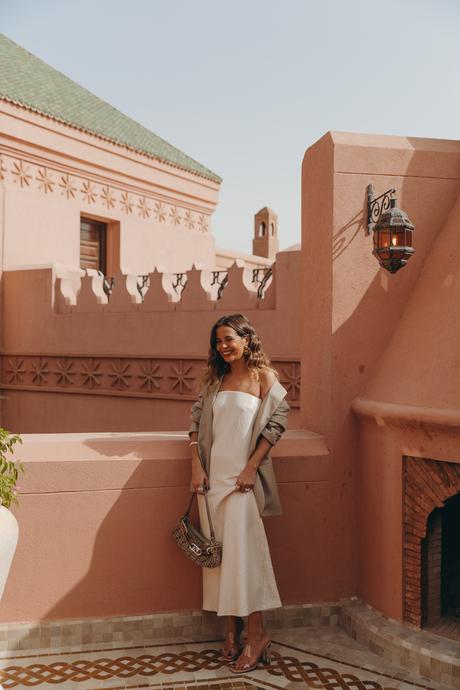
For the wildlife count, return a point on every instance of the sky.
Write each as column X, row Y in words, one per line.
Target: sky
column 246, row 86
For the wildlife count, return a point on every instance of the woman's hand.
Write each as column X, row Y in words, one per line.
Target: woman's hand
column 199, row 477
column 246, row 479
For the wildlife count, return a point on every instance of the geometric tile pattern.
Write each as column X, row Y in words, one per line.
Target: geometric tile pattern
column 105, row 668
column 173, row 378
column 311, row 674
column 315, row 676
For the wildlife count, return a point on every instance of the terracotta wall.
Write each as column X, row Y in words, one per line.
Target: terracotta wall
column 353, row 308
column 411, row 404
column 95, row 518
column 124, row 365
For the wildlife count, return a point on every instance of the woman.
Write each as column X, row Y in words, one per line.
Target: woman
column 240, row 414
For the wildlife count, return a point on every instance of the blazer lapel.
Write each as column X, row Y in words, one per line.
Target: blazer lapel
column 269, row 404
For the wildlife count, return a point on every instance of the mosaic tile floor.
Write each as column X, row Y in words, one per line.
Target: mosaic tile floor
column 315, row 657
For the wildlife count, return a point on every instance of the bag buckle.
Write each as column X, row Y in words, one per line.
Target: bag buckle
column 196, row 549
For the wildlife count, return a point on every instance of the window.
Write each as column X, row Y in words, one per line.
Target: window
column 93, row 245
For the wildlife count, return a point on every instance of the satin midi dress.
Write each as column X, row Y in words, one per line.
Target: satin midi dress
column 245, row 581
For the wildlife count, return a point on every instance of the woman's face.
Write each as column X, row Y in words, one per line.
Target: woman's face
column 229, row 344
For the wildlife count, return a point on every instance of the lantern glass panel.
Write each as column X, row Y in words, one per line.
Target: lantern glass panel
column 382, row 238
column 407, row 237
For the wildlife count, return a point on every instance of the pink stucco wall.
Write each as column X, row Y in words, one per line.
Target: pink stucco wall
column 413, row 411
column 368, row 341
column 95, row 518
column 52, row 174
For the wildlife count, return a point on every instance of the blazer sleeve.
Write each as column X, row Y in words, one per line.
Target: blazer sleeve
column 276, row 425
column 195, row 415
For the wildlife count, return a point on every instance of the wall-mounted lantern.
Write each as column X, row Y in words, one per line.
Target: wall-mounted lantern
column 392, row 230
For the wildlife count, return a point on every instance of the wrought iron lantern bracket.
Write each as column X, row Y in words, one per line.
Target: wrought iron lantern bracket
column 376, row 206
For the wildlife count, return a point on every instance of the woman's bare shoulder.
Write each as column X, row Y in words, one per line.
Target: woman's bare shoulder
column 267, row 378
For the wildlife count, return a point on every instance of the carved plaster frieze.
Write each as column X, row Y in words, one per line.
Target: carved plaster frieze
column 21, row 174
column 144, row 377
column 27, row 174
column 68, row 186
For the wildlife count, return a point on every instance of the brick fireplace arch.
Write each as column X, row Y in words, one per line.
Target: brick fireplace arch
column 427, row 484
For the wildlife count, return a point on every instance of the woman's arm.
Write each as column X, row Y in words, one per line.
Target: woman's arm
column 199, row 477
column 270, row 435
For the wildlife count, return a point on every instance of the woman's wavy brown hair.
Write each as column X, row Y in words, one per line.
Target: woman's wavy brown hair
column 255, row 357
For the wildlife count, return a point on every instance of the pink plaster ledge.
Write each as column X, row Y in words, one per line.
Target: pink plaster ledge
column 146, row 445
column 117, row 461
column 397, row 415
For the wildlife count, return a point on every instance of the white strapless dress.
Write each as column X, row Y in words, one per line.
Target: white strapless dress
column 245, row 581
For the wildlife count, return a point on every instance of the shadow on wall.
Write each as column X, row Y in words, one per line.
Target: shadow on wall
column 135, row 566
column 344, row 237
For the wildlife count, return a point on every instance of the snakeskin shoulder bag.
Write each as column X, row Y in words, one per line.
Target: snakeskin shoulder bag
column 201, row 550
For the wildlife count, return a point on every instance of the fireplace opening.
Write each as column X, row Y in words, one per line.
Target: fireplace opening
column 440, row 561
column 431, row 545
column 450, row 562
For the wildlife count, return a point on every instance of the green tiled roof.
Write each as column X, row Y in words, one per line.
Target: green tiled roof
column 30, row 82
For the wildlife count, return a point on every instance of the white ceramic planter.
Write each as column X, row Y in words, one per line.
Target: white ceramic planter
column 9, row 533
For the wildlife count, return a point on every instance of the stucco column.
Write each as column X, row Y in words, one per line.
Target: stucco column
column 316, row 287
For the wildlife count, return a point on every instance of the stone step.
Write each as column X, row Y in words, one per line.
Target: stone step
column 433, row 657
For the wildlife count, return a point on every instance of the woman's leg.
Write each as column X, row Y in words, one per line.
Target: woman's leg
column 257, row 640
column 231, row 646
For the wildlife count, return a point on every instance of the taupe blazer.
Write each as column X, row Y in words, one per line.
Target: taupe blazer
column 270, row 422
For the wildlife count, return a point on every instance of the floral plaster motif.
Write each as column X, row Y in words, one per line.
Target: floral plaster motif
column 64, row 373
column 126, row 203
column 150, row 377
column 143, row 207
column 40, row 371
column 108, row 197
column 91, row 374
column 175, row 215
column 120, row 377
column 45, row 181
column 159, row 211
column 181, row 377
column 202, row 223
column 15, row 371
column 69, row 184
column 291, row 380
column 88, row 191
column 21, row 174
column 189, row 219
column 68, row 187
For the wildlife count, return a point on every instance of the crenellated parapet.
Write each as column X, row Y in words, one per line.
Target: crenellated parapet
column 236, row 289
column 81, row 351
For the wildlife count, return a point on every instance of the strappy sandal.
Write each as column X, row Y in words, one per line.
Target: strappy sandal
column 234, row 638
column 263, row 659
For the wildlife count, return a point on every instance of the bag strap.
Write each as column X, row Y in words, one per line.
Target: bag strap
column 208, row 512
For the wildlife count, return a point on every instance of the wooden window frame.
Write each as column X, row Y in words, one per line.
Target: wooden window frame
column 109, row 259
